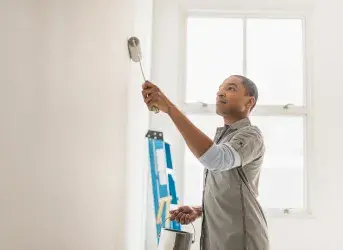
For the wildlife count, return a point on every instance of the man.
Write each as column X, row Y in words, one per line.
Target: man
column 232, row 216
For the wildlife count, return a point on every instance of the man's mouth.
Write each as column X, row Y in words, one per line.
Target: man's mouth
column 221, row 101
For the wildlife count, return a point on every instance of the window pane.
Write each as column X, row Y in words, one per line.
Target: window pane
column 214, row 52
column 275, row 60
column 284, row 140
column 281, row 183
column 282, row 178
column 282, row 188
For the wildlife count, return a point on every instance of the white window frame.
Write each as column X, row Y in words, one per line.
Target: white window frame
column 288, row 109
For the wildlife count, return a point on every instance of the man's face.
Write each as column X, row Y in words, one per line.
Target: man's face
column 232, row 98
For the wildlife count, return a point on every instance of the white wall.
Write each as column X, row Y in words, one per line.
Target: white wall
column 137, row 165
column 64, row 77
column 322, row 231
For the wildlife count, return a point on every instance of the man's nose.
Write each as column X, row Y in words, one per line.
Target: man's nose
column 220, row 94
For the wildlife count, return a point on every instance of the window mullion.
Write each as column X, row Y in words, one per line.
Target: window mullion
column 272, row 110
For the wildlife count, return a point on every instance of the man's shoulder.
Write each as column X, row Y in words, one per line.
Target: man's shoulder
column 251, row 131
column 250, row 135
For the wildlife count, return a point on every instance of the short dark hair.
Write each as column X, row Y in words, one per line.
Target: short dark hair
column 250, row 87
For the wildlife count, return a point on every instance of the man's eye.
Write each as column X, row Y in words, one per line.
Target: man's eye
column 231, row 89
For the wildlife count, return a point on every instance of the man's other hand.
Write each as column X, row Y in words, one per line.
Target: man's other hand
column 184, row 215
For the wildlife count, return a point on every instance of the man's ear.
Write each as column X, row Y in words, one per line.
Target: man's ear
column 250, row 103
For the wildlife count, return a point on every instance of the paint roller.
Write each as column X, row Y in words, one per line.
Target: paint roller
column 136, row 56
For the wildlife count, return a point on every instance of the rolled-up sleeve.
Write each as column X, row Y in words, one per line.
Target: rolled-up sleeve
column 249, row 145
column 244, row 147
column 220, row 158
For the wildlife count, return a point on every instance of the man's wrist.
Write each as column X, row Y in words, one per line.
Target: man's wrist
column 171, row 106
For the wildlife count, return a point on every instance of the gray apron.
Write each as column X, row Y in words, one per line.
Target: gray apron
column 232, row 216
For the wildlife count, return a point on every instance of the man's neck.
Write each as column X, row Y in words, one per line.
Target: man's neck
column 229, row 120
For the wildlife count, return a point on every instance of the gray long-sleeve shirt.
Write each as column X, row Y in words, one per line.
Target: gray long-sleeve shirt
column 232, row 216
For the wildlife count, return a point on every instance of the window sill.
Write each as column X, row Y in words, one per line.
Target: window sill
column 289, row 213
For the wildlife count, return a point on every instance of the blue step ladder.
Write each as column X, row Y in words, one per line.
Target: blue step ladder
column 162, row 180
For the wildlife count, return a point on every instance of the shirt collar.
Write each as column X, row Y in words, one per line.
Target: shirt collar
column 238, row 124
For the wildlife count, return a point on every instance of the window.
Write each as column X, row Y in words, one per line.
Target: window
column 270, row 51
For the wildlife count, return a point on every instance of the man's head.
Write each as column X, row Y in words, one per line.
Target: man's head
column 236, row 96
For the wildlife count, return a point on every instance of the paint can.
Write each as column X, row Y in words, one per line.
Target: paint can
column 171, row 239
